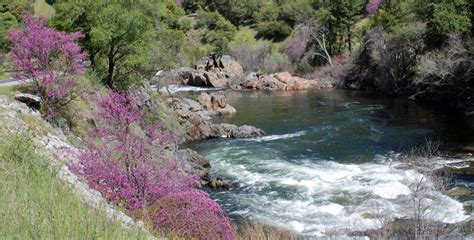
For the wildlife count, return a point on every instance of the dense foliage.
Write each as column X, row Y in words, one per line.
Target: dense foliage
column 419, row 49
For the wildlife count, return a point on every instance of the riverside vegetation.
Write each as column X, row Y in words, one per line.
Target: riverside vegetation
column 92, row 64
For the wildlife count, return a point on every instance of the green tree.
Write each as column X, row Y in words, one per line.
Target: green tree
column 218, row 30
column 11, row 12
column 270, row 25
column 446, row 17
column 123, row 38
column 119, row 36
column 16, row 7
column 339, row 17
column 7, row 21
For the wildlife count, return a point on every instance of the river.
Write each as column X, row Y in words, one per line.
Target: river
column 326, row 162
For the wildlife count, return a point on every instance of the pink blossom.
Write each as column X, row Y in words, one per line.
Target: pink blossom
column 372, row 6
column 192, row 214
column 124, row 165
column 49, row 58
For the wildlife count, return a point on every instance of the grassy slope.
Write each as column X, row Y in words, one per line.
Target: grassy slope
column 37, row 205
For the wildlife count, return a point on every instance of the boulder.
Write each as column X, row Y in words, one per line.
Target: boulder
column 284, row 77
column 269, row 83
column 212, row 71
column 231, row 67
column 198, row 78
column 29, row 99
column 459, row 192
column 250, row 81
column 215, row 79
column 196, row 117
column 277, row 81
column 194, row 163
column 187, row 108
column 461, row 168
column 247, row 131
column 220, row 183
column 216, row 103
column 185, row 72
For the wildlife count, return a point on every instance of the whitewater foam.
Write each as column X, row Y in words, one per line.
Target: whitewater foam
column 276, row 137
column 316, row 197
column 180, row 88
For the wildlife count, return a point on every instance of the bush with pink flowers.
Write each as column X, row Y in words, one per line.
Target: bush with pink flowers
column 122, row 163
column 192, row 213
column 49, row 58
column 372, row 6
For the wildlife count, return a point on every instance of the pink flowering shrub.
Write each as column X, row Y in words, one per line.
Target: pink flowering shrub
column 122, row 164
column 372, row 6
column 192, row 214
column 49, row 58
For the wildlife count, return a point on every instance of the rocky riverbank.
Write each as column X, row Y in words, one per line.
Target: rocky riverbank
column 224, row 72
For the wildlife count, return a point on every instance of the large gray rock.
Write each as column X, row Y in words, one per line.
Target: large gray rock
column 231, row 67
column 277, row 81
column 194, row 163
column 247, row 131
column 213, row 71
column 185, row 72
column 216, row 104
column 29, row 99
column 197, row 117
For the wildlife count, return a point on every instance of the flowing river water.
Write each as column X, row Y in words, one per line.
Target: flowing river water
column 325, row 163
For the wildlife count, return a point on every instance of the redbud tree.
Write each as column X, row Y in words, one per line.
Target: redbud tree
column 122, row 163
column 192, row 214
column 49, row 58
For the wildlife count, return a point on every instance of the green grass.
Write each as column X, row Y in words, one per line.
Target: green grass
column 35, row 204
column 41, row 8
column 3, row 77
column 7, row 90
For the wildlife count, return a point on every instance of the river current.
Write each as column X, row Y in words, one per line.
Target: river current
column 326, row 163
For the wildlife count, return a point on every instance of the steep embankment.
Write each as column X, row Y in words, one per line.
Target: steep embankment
column 17, row 119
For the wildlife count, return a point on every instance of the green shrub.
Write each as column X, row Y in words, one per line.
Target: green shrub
column 273, row 30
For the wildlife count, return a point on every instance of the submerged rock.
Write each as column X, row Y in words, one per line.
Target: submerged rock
column 220, row 183
column 459, row 192
column 461, row 168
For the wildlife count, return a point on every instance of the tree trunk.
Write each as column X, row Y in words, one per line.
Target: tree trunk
column 349, row 39
column 110, row 73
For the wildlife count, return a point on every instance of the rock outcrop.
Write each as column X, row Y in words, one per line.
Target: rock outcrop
column 29, row 99
column 216, row 104
column 464, row 168
column 212, row 71
column 277, row 81
column 196, row 117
